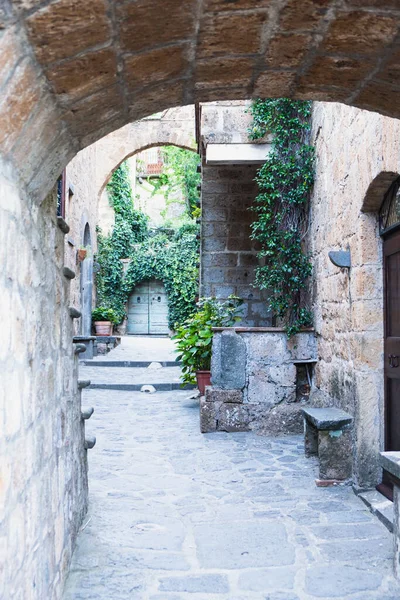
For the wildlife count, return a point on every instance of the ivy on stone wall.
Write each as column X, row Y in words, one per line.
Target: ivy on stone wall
column 285, row 181
column 180, row 172
column 169, row 256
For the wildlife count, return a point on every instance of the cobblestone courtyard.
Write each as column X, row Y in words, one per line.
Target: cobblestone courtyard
column 175, row 514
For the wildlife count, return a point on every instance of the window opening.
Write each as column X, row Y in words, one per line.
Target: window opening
column 61, row 193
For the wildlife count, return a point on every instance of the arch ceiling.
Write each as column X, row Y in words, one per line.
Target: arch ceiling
column 72, row 71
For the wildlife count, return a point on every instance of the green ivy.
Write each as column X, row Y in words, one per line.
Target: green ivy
column 170, row 256
column 180, row 172
column 285, row 182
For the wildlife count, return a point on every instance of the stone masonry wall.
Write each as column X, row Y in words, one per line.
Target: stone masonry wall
column 228, row 255
column 81, row 209
column 353, row 148
column 43, row 481
column 255, row 381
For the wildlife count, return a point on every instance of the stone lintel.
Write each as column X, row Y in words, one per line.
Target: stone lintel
column 237, row 154
column 390, row 461
column 84, row 338
column 327, row 418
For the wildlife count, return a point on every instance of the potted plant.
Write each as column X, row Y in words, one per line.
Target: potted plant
column 81, row 254
column 194, row 338
column 103, row 319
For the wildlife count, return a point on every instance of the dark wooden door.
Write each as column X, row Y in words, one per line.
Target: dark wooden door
column 391, row 252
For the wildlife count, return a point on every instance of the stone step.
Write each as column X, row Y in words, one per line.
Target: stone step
column 379, row 506
column 129, row 363
column 136, row 387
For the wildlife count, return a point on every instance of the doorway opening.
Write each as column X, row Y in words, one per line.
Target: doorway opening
column 148, row 309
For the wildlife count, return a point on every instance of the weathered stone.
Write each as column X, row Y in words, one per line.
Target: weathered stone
column 86, row 413
column 68, row 273
column 83, row 26
column 229, row 396
column 84, row 75
column 74, row 313
column 83, row 383
column 63, row 225
column 228, row 361
column 208, row 415
column 155, row 66
column 90, row 442
column 79, row 348
column 327, row 418
column 149, row 389
column 335, row 452
column 218, row 35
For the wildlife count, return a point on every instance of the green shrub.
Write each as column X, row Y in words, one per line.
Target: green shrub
column 194, row 338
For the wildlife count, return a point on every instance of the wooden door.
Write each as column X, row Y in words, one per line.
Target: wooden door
column 148, row 309
column 391, row 252
column 138, row 310
column 158, row 311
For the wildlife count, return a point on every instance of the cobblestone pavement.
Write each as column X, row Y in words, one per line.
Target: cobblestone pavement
column 142, row 348
column 129, row 375
column 175, row 514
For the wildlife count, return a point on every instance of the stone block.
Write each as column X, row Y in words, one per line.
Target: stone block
column 335, row 452
column 84, row 26
column 208, row 415
column 155, row 66
column 234, row 417
column 228, row 396
column 219, row 34
column 282, row 419
column 228, row 363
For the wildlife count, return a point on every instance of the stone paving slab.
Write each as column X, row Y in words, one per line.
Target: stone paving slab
column 177, row 515
column 130, row 375
column 142, row 348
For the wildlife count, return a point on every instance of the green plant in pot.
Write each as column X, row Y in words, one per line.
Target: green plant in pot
column 103, row 319
column 194, row 338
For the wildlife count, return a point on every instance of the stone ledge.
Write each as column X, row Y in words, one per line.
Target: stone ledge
column 327, row 418
column 260, row 329
column 390, row 461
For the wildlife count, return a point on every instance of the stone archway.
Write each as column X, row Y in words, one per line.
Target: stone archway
column 141, row 57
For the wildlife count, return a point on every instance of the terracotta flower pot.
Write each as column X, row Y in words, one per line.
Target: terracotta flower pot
column 103, row 327
column 82, row 254
column 203, row 379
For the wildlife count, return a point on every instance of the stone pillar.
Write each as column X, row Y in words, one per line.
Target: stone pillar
column 335, row 454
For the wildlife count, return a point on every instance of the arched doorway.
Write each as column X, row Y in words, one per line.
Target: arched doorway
column 148, row 309
column 87, row 284
column 389, row 229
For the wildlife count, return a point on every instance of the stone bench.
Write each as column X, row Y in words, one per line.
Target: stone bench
column 327, row 434
column 390, row 461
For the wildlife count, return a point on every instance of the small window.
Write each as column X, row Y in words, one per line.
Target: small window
column 389, row 213
column 61, row 194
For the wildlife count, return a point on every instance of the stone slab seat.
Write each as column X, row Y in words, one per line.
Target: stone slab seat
column 327, row 434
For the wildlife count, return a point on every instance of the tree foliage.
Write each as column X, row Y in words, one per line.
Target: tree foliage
column 180, row 172
column 285, row 182
column 170, row 256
